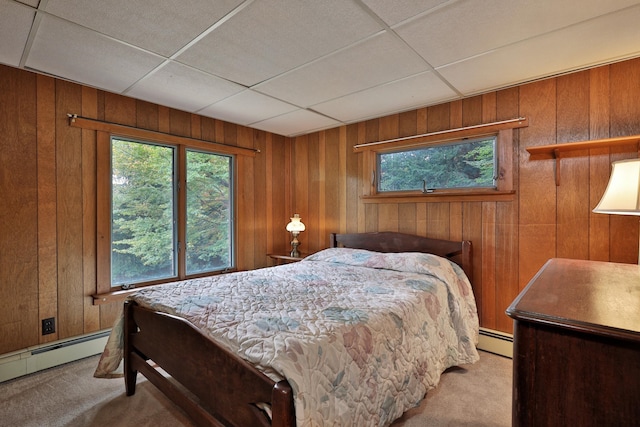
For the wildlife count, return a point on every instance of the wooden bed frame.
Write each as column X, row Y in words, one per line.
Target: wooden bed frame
column 214, row 386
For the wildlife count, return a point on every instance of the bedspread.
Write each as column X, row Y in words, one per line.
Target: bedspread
column 360, row 336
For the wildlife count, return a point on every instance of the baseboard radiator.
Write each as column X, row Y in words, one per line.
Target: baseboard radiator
column 38, row 358
column 496, row 342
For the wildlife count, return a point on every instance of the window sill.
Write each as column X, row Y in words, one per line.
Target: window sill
column 122, row 294
column 442, row 196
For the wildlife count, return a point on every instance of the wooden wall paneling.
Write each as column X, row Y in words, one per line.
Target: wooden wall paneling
column 270, row 181
column 421, row 219
column 507, row 283
column 281, row 148
column 47, row 235
column 472, row 231
column 572, row 221
column 599, row 163
column 121, row 109
column 438, row 220
column 625, row 110
column 456, row 113
column 407, row 218
column 472, row 111
column 179, row 123
column 537, row 187
column 89, row 184
column 147, row 115
column 196, row 126
column 455, row 221
column 341, row 220
column 334, row 204
column 19, row 322
column 245, row 209
column 371, row 217
column 300, row 179
column 363, row 184
column 69, row 212
column 353, row 210
column 316, row 191
column 438, row 117
column 260, row 194
column 485, row 292
column 387, row 217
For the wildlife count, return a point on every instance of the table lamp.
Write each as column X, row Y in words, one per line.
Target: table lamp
column 622, row 196
column 295, row 227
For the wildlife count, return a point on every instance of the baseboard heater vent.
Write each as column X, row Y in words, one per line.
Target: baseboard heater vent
column 38, row 358
column 496, row 342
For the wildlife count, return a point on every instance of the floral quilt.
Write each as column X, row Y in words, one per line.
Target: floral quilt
column 360, row 336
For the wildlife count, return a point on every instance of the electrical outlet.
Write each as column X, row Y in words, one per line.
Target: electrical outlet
column 48, row 326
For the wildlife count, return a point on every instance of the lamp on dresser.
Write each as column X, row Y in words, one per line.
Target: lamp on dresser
column 295, row 227
column 622, row 196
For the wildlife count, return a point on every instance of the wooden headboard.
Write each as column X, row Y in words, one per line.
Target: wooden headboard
column 458, row 252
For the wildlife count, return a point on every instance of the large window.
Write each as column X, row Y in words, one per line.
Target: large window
column 453, row 165
column 150, row 240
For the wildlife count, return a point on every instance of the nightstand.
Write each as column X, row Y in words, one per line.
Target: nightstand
column 286, row 258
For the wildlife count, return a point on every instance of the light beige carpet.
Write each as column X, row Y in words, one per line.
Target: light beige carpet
column 473, row 395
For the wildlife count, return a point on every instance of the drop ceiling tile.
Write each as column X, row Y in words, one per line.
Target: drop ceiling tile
column 269, row 38
column 161, row 26
column 393, row 12
column 15, row 23
column 296, row 123
column 182, row 87
column 32, row 3
column 412, row 92
column 247, row 107
column 473, row 28
column 75, row 53
column 356, row 68
column 609, row 38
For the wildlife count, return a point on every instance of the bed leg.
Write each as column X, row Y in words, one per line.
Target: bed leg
column 282, row 405
column 130, row 327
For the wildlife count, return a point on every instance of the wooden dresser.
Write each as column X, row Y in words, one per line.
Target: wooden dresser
column 576, row 356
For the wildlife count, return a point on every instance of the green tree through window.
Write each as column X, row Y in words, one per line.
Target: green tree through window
column 466, row 164
column 144, row 212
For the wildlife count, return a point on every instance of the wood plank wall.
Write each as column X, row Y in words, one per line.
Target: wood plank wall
column 511, row 239
column 48, row 192
column 48, row 187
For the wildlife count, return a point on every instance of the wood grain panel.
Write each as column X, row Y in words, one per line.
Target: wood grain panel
column 316, row 201
column 486, row 294
column 438, row 220
column 625, row 110
column 69, row 212
column 537, row 242
column 407, row 218
column 19, row 323
column 332, row 191
column 599, row 163
column 260, row 194
column 352, row 192
column 91, row 320
column 47, row 236
column 472, row 231
column 573, row 191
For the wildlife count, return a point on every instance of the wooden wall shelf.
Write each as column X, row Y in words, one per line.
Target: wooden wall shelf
column 557, row 151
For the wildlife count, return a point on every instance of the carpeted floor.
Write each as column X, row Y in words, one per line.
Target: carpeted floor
column 68, row 395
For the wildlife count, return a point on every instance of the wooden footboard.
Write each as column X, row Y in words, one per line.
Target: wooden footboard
column 215, row 387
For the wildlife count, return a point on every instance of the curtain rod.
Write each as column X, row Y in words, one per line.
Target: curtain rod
column 504, row 124
column 124, row 130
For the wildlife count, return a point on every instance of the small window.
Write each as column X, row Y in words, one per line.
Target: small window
column 465, row 164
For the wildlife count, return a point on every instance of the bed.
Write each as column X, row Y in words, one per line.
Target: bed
column 343, row 366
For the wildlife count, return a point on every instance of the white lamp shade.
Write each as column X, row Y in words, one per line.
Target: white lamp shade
column 622, row 195
column 295, row 224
